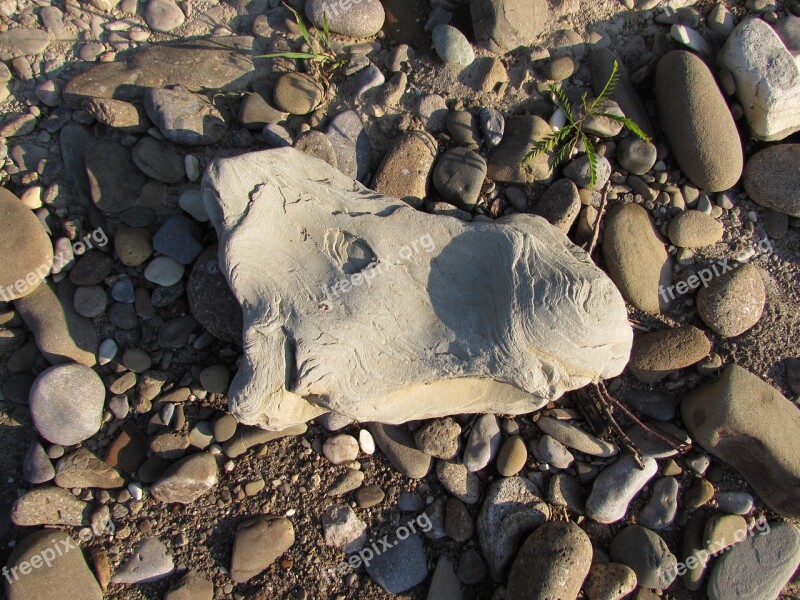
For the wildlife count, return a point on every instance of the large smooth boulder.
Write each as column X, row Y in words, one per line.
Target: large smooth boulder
column 697, row 122
column 767, row 79
column 457, row 317
column 750, row 425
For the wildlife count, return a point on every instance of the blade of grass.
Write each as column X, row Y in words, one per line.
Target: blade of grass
column 629, row 123
column 591, row 156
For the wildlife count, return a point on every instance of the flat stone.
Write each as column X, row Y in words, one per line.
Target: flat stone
column 445, row 582
column 340, row 449
column 22, row 42
column 599, row 334
column 82, row 469
column 149, row 562
column 559, row 204
column 636, row 258
column 616, row 486
column 351, row 145
column 26, row 247
column 397, row 443
column 512, row 456
column 183, row 117
column 511, row 510
column 734, row 302
column 723, row 531
column 552, row 563
column 66, row 575
column 158, row 161
column 659, row 353
column 317, row 144
column 759, row 567
column 695, row 557
column 565, row 490
column 574, row 437
column 258, row 543
column 128, row 450
column 697, row 122
column 463, row 127
column 246, row 438
column 554, row 453
column 118, row 114
column 771, row 178
column 719, row 416
column 180, row 238
column 115, row 183
column 50, row 505
column 221, row 63
column 769, row 95
column 186, row 480
column 66, row 403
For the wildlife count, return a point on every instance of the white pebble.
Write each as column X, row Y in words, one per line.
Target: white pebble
column 558, row 120
column 229, row 466
column 167, row 413
column 291, row 512
column 136, row 491
column 192, row 203
column 366, row 442
column 192, row 166
column 164, row 271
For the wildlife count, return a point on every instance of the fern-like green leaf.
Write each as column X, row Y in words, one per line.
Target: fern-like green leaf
column 548, row 144
column 326, row 31
column 630, row 124
column 562, row 102
column 591, row 156
column 608, row 88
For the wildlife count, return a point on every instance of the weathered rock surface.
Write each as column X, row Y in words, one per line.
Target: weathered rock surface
column 382, row 289
column 733, row 302
column 356, row 19
column 187, row 479
column 767, row 79
column 50, row 505
column 406, row 168
column 697, row 122
column 506, row 162
column 656, row 354
column 184, row 117
column 765, row 450
column 258, row 544
column 215, row 63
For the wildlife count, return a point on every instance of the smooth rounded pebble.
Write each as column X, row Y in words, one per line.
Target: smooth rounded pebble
column 452, row 46
column 656, row 354
column 340, row 449
column 772, row 179
column 616, row 486
column 733, row 302
column 694, row 229
column 164, row 271
column 66, row 403
column 697, row 122
column 297, row 93
column 355, row 19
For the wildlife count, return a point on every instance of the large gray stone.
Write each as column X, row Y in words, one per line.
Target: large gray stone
column 503, row 25
column 750, row 425
column 358, row 18
column 258, row 543
column 433, row 304
column 697, row 122
column 767, row 79
column 184, row 117
column 616, row 486
column 760, row 566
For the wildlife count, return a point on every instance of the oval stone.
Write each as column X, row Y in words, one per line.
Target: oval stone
column 772, row 178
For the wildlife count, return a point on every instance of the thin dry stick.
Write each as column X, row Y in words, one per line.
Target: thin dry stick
column 626, row 441
column 666, row 438
column 596, row 227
